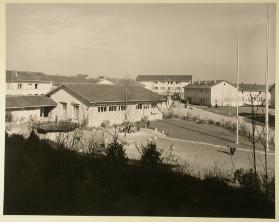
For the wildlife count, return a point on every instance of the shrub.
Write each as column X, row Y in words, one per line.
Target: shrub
column 150, row 154
column 105, row 124
column 8, row 117
column 96, row 149
column 247, row 179
column 115, row 151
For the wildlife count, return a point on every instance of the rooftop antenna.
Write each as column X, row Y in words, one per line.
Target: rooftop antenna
column 237, row 77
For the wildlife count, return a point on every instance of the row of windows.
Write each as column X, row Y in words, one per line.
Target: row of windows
column 121, row 108
column 169, row 88
column 156, row 82
column 111, row 108
column 19, row 85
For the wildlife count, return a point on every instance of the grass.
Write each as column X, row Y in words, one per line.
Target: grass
column 244, row 111
column 42, row 180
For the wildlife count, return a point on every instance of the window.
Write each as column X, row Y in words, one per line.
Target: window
column 146, row 106
column 139, row 106
column 102, row 109
column 36, row 86
column 153, row 105
column 64, row 110
column 112, row 108
column 76, row 111
column 19, row 85
column 122, row 107
column 156, row 88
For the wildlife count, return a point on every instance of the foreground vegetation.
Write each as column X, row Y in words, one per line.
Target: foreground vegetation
column 42, row 179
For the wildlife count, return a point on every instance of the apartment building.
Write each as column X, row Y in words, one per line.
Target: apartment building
column 167, row 85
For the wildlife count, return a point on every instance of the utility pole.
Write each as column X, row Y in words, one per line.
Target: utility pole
column 266, row 79
column 237, row 81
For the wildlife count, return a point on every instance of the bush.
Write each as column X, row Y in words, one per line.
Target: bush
column 150, row 154
column 247, row 179
column 8, row 117
column 115, row 151
column 105, row 124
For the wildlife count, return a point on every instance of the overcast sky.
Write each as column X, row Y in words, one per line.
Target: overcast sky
column 123, row 40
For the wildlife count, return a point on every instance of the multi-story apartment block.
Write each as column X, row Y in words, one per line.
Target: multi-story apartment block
column 167, row 85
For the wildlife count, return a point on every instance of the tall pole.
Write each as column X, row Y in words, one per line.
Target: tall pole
column 237, row 81
column 266, row 78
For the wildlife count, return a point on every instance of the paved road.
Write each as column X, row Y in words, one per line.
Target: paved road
column 201, row 148
column 189, row 130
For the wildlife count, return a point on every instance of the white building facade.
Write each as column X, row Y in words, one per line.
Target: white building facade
column 93, row 104
column 167, row 85
column 211, row 93
column 27, row 83
column 253, row 94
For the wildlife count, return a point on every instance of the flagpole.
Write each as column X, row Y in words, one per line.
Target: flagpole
column 266, row 79
column 237, row 81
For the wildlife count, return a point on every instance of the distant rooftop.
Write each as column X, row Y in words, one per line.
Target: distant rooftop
column 25, row 76
column 252, row 87
column 59, row 79
column 205, row 84
column 28, row 102
column 165, row 78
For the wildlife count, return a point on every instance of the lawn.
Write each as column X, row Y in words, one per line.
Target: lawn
column 244, row 111
column 40, row 180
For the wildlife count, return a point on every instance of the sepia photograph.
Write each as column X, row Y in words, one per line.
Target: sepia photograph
column 158, row 109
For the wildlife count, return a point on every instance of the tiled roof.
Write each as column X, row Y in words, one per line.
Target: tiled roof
column 173, row 78
column 96, row 94
column 24, row 76
column 205, row 84
column 28, row 101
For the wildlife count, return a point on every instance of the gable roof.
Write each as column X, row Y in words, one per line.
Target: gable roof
column 206, row 84
column 28, row 101
column 173, row 78
column 25, row 76
column 97, row 93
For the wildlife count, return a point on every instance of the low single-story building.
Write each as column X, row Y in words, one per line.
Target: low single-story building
column 92, row 104
column 211, row 93
column 27, row 108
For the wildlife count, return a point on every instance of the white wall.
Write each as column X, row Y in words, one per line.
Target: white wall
column 63, row 96
column 28, row 88
column 94, row 117
column 166, row 88
column 118, row 116
column 259, row 97
column 224, row 94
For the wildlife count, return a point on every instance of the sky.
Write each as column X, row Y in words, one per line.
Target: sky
column 126, row 40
